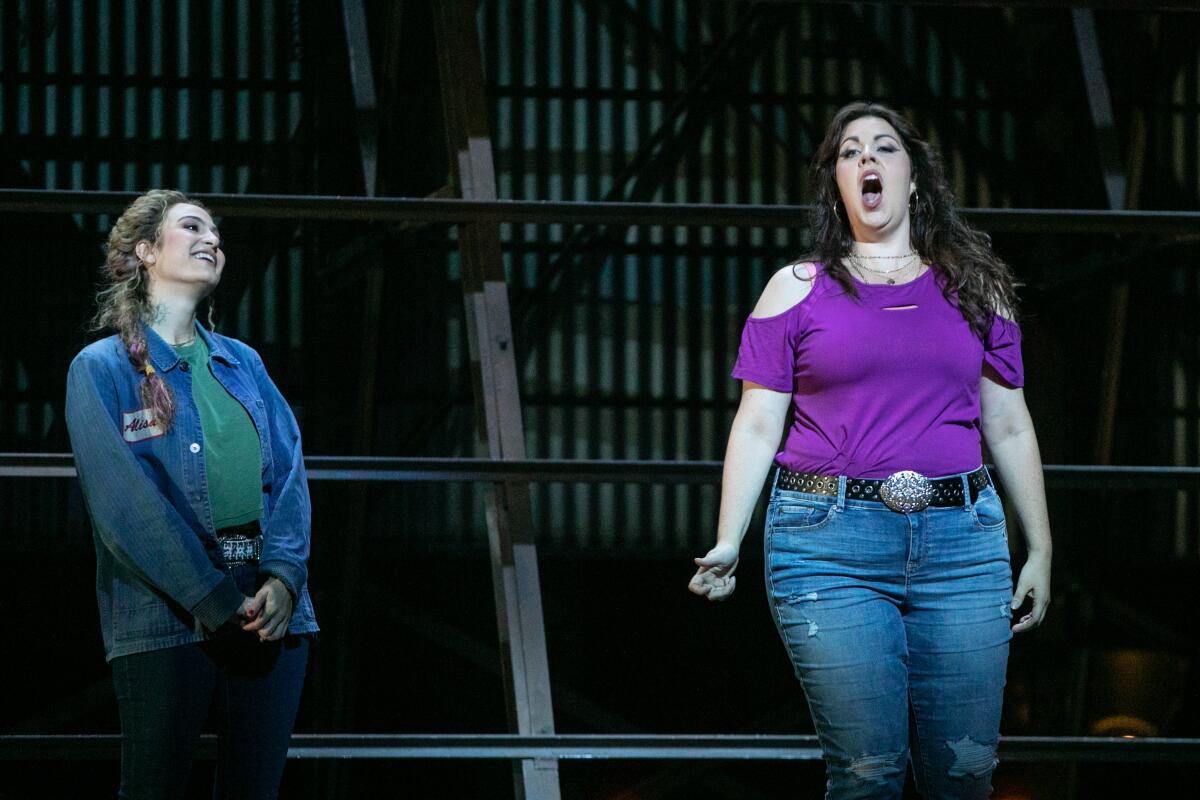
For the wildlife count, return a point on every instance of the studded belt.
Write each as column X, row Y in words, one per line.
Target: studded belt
column 905, row 491
column 241, row 544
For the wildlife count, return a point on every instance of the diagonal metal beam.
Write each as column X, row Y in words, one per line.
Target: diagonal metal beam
column 668, row 49
column 656, row 159
column 362, row 81
column 652, row 157
column 1100, row 105
column 906, row 82
column 1117, row 187
column 515, row 580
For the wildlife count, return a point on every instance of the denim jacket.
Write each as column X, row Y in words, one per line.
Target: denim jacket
column 161, row 580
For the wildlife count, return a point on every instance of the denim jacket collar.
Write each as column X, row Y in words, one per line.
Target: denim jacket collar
column 162, row 355
column 165, row 358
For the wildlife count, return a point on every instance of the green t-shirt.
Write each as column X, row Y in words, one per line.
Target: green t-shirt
column 232, row 459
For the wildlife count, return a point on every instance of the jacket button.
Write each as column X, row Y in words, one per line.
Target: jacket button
column 184, row 366
column 194, row 447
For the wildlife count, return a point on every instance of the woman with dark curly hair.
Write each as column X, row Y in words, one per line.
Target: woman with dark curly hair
column 191, row 469
column 894, row 349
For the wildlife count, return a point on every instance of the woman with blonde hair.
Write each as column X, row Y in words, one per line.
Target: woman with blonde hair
column 892, row 351
column 191, row 469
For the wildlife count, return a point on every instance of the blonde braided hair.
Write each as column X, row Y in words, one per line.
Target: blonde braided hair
column 124, row 301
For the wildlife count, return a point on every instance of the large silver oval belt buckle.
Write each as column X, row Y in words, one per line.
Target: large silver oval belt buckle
column 906, row 491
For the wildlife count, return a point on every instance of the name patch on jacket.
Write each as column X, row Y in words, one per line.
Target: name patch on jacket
column 140, row 425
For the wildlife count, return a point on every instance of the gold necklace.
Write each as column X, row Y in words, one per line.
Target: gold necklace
column 184, row 344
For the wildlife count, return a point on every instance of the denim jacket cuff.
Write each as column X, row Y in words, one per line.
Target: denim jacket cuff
column 292, row 577
column 221, row 603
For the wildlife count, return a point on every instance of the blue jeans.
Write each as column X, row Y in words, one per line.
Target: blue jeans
column 164, row 697
column 898, row 627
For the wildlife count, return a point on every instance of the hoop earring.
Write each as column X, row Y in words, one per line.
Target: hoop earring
column 914, row 200
column 834, row 206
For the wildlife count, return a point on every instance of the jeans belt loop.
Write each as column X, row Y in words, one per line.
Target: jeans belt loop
column 841, row 495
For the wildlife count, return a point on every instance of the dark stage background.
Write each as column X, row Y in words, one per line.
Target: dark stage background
column 624, row 337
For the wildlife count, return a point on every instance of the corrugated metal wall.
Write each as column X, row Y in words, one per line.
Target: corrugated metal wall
column 625, row 335
column 200, row 95
column 628, row 335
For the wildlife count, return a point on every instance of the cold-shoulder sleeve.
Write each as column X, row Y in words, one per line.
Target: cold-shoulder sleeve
column 767, row 355
column 1002, row 351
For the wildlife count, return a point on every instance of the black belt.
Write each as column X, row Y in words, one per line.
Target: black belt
column 905, row 491
column 241, row 544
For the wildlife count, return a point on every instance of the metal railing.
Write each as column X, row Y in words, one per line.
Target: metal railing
column 450, row 211
column 654, row 747
column 550, row 470
column 352, row 468
column 604, row 746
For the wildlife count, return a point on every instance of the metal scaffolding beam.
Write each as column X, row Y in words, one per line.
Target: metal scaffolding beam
column 604, row 746
column 555, row 470
column 515, row 580
column 457, row 211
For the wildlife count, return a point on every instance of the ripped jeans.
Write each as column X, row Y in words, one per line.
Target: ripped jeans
column 898, row 627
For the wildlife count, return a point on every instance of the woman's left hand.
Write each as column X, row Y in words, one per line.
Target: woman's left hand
column 272, row 607
column 714, row 577
column 1033, row 584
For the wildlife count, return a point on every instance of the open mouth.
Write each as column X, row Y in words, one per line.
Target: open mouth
column 872, row 190
column 205, row 257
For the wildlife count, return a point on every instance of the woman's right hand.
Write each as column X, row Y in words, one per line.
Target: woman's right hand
column 244, row 614
column 714, row 575
column 247, row 612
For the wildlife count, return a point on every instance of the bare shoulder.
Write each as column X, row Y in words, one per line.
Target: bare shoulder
column 787, row 287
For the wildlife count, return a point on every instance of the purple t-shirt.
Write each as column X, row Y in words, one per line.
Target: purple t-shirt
column 884, row 383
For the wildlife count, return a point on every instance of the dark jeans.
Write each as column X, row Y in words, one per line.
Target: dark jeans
column 164, row 697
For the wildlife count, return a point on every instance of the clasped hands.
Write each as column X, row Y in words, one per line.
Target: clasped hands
column 268, row 612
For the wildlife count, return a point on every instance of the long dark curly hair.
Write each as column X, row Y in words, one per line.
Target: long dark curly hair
column 973, row 278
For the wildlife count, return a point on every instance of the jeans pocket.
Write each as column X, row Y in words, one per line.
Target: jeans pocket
column 792, row 516
column 988, row 511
